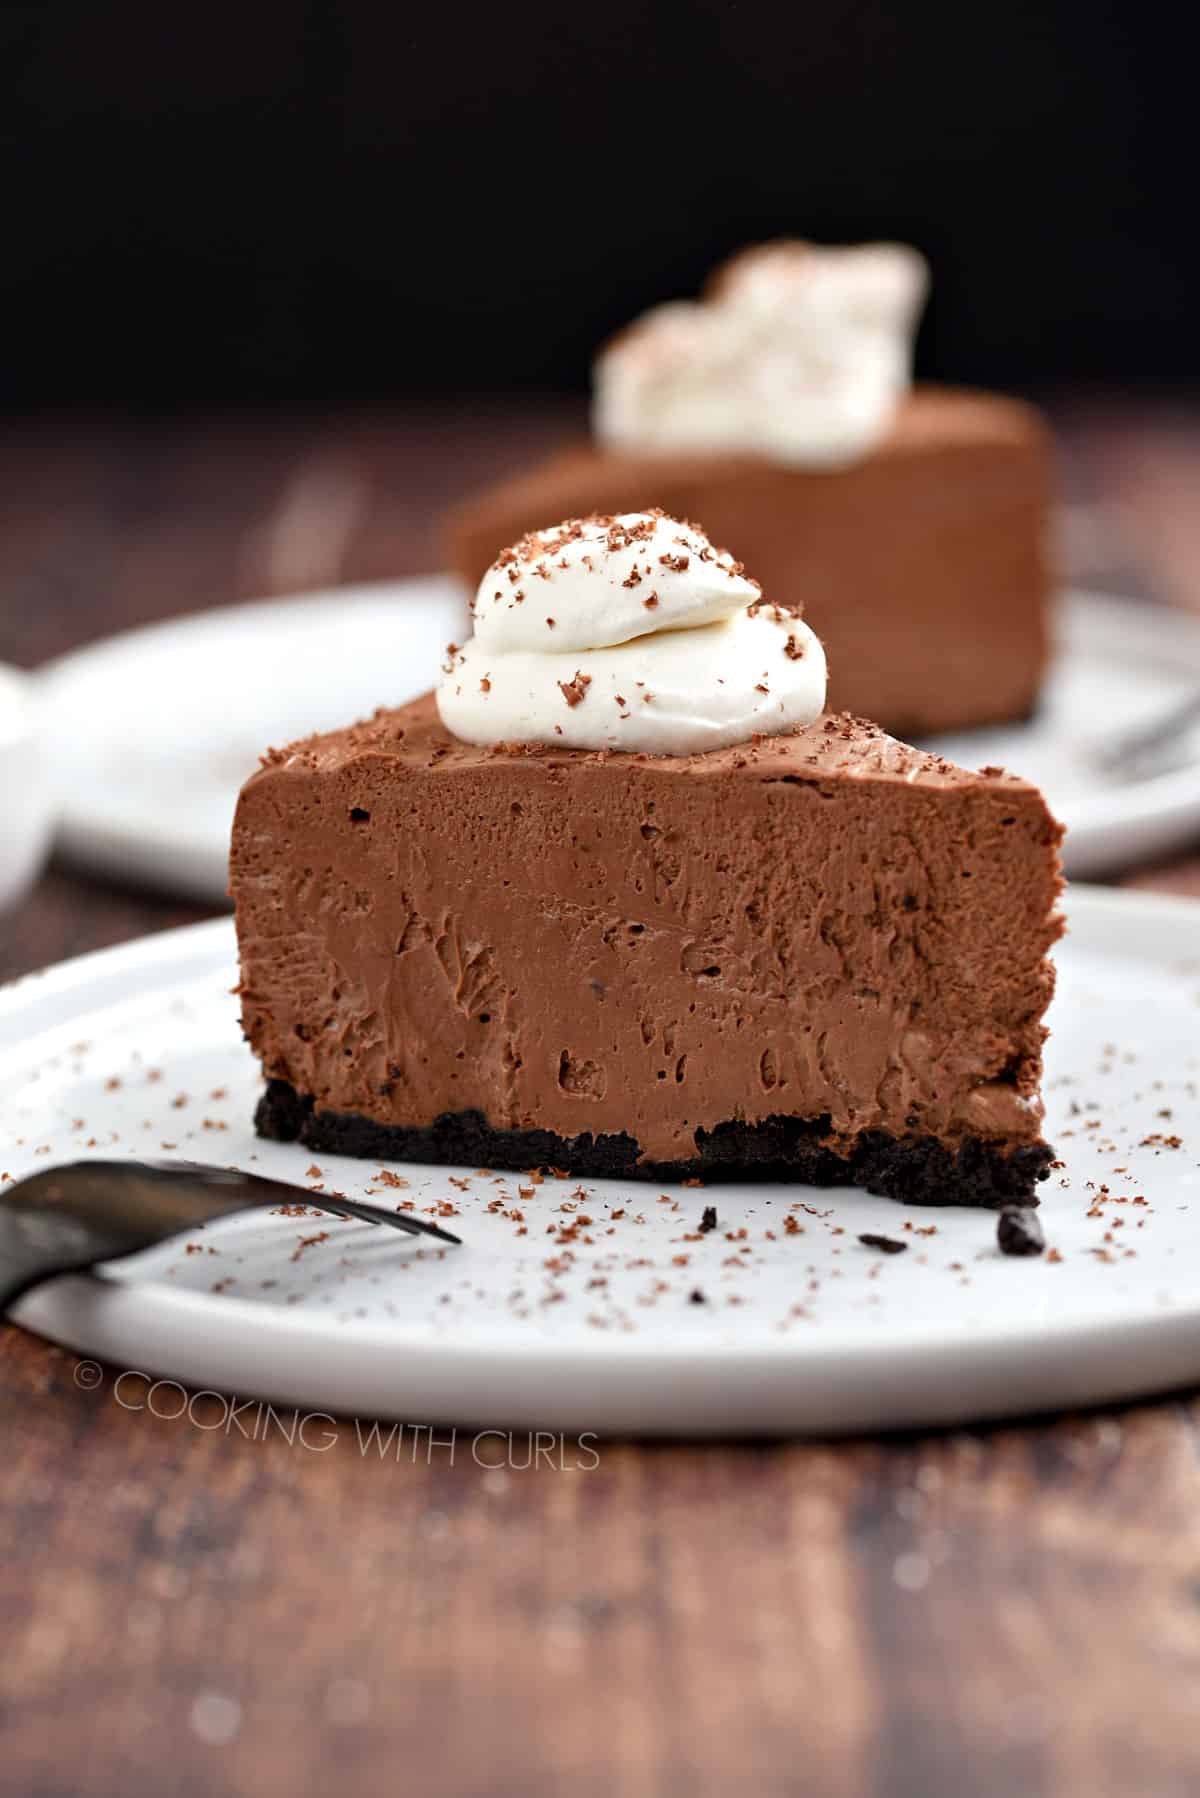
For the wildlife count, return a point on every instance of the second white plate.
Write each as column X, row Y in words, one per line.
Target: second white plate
column 155, row 730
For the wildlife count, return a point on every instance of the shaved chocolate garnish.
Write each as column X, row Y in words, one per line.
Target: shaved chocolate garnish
column 678, row 563
column 708, row 1219
column 624, row 536
column 696, row 1297
column 888, row 1244
column 573, row 691
column 650, row 601
column 793, row 650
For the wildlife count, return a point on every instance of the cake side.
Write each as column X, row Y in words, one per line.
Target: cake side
column 922, row 568
column 820, row 954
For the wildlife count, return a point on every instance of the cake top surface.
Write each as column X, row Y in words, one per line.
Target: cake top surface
column 834, row 747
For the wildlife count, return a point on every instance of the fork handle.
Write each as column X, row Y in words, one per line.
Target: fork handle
column 34, row 1248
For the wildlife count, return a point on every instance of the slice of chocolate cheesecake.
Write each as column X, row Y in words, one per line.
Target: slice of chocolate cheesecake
column 923, row 567
column 911, row 523
column 817, row 956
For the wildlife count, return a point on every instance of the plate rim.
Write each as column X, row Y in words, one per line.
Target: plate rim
column 240, row 611
column 112, row 843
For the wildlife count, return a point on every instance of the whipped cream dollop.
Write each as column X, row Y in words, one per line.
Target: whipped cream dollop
column 796, row 352
column 628, row 633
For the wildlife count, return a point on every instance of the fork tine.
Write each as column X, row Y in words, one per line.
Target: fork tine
column 67, row 1219
column 374, row 1214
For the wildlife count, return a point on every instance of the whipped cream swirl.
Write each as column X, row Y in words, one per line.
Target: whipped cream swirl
column 797, row 352
column 628, row 633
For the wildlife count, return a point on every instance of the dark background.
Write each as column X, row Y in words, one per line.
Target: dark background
column 322, row 202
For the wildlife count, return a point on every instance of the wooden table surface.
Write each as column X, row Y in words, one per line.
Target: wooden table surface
column 1010, row 1611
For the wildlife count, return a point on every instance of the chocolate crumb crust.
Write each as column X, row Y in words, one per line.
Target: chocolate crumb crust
column 1019, row 1231
column 889, row 1245
column 918, row 1170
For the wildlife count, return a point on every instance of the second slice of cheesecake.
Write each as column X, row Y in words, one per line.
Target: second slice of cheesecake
column 923, row 568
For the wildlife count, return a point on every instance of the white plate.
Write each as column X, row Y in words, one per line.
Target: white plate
column 157, row 729
column 1118, row 665
column 26, row 789
column 137, row 1051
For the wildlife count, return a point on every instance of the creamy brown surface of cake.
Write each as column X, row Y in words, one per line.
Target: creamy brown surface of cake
column 922, row 567
column 820, row 955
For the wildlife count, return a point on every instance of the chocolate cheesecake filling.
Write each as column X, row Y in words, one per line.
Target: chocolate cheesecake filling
column 819, row 956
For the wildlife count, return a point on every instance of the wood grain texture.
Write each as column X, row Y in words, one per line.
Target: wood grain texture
column 190, row 1611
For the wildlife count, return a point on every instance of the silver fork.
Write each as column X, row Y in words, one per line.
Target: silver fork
column 65, row 1219
column 1158, row 747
